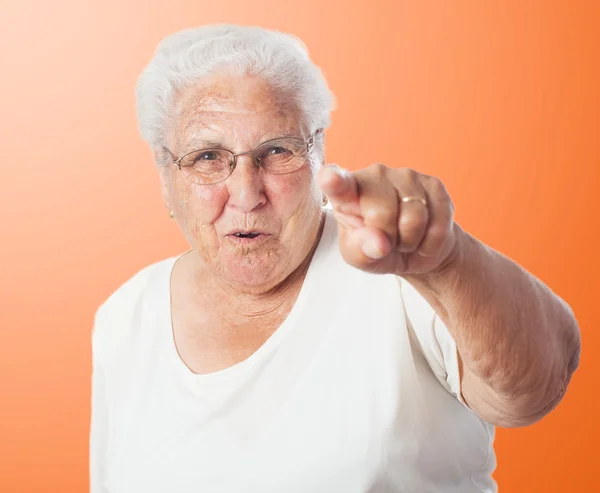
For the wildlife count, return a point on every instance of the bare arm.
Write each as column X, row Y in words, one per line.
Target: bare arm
column 518, row 342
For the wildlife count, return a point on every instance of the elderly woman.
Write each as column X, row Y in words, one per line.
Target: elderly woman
column 327, row 331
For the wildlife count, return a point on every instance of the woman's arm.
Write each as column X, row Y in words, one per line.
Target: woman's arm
column 518, row 342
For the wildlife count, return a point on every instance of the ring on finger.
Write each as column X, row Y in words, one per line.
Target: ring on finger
column 411, row 198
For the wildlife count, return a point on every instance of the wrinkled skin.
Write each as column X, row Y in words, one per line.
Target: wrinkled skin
column 239, row 113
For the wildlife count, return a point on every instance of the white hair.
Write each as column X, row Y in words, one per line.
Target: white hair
column 183, row 58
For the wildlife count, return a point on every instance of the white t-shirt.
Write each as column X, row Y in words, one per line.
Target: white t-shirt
column 357, row 391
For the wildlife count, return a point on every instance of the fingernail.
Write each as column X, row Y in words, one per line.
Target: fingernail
column 371, row 249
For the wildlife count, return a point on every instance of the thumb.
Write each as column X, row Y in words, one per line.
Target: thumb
column 365, row 248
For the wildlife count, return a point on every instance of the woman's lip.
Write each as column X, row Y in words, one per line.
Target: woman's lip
column 241, row 239
column 235, row 233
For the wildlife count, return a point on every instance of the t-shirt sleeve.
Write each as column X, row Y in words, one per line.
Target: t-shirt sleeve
column 432, row 336
column 99, row 416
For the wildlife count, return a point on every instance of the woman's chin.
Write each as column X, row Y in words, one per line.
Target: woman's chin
column 252, row 271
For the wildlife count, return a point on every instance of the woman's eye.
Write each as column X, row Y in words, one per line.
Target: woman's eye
column 207, row 156
column 276, row 150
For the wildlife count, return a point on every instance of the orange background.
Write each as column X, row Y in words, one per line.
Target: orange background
column 500, row 99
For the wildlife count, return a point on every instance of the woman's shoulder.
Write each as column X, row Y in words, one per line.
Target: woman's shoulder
column 137, row 284
column 121, row 308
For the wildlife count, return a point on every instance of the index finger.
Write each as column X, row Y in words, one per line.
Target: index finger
column 341, row 189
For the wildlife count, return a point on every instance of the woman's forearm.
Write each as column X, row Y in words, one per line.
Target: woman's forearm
column 513, row 334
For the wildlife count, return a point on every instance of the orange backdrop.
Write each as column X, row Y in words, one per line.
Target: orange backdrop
column 500, row 99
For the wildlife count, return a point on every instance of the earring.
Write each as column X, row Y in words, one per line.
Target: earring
column 325, row 200
column 171, row 213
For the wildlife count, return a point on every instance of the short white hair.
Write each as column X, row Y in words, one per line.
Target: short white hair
column 184, row 58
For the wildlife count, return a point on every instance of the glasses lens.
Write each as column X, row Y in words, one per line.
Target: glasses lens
column 207, row 166
column 282, row 155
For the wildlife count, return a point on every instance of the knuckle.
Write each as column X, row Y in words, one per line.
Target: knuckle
column 408, row 174
column 438, row 186
column 446, row 209
column 378, row 169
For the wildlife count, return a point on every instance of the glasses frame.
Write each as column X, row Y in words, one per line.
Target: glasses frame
column 309, row 143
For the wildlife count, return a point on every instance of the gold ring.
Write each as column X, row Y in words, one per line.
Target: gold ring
column 411, row 198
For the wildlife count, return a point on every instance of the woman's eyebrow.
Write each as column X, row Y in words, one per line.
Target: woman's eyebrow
column 204, row 144
column 211, row 143
column 198, row 143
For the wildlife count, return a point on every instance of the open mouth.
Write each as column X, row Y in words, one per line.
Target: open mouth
column 247, row 235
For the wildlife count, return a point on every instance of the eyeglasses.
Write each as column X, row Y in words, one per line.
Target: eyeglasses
column 277, row 156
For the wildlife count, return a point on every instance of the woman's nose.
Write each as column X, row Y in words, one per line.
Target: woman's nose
column 245, row 184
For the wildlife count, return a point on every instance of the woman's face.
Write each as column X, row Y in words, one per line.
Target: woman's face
column 238, row 113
